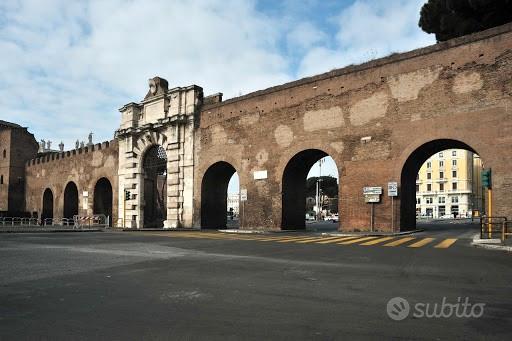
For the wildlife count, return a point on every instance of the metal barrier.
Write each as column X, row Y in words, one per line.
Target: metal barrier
column 18, row 221
column 96, row 220
column 64, row 222
column 490, row 225
column 504, row 230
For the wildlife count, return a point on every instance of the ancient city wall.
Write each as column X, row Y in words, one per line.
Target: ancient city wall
column 83, row 166
column 370, row 119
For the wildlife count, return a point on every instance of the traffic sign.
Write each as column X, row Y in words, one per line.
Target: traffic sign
column 243, row 194
column 371, row 198
column 392, row 189
column 372, row 190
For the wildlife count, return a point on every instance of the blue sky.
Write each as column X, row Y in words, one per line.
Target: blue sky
column 67, row 66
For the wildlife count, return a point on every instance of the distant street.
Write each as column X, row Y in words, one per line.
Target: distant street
column 208, row 285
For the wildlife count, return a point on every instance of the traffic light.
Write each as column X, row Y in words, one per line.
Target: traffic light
column 486, row 178
column 127, row 195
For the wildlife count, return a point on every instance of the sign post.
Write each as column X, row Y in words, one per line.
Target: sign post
column 243, row 199
column 392, row 192
column 372, row 196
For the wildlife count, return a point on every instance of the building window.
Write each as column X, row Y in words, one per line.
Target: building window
column 454, row 153
column 5, row 153
column 442, row 200
column 429, row 187
column 441, row 187
column 454, row 174
column 454, row 162
column 429, row 176
column 455, row 200
column 418, row 201
column 417, row 188
column 441, row 163
column 440, row 154
column 1, row 179
column 429, row 164
column 441, row 175
column 454, row 185
column 428, row 200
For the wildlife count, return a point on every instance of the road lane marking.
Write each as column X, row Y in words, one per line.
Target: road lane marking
column 445, row 243
column 400, row 241
column 337, row 239
column 422, row 242
column 353, row 241
column 317, row 239
column 377, row 241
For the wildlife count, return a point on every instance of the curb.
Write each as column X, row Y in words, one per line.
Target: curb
column 489, row 244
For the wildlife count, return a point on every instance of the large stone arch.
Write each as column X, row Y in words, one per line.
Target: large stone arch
column 214, row 186
column 103, row 197
column 70, row 200
column 47, row 204
column 410, row 168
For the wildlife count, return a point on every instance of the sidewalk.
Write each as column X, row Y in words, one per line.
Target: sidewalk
column 492, row 244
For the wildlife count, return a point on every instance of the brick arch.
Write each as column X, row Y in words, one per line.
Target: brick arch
column 293, row 188
column 214, row 186
column 411, row 167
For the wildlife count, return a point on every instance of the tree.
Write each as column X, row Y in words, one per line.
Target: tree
column 454, row 18
column 329, row 186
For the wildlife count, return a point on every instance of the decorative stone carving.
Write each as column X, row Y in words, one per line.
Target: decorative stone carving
column 157, row 86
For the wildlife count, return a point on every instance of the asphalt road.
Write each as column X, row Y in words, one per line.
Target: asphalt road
column 210, row 286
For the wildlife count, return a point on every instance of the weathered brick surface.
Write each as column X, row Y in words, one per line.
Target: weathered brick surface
column 459, row 90
column 84, row 166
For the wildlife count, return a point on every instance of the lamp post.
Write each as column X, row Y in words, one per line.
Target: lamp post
column 318, row 189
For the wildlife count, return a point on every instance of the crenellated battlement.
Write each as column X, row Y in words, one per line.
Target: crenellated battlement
column 55, row 156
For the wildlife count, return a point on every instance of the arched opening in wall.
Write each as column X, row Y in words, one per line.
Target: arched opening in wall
column 440, row 185
column 47, row 212
column 70, row 200
column 214, row 195
column 103, row 198
column 154, row 167
column 310, row 189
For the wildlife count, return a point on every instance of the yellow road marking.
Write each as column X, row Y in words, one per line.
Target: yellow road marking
column 353, row 241
column 377, row 241
column 318, row 238
column 279, row 238
column 400, row 241
column 335, row 240
column 445, row 243
column 422, row 242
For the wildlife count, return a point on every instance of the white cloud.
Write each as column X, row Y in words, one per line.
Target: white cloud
column 66, row 67
column 368, row 30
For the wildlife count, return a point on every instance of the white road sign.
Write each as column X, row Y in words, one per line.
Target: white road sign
column 392, row 189
column 372, row 190
column 243, row 194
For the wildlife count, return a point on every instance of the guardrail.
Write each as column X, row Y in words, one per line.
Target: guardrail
column 18, row 221
column 490, row 225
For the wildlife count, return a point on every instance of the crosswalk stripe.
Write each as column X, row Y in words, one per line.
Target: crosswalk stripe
column 377, row 241
column 353, row 241
column 422, row 242
column 279, row 238
column 317, row 239
column 445, row 243
column 400, row 241
column 335, row 240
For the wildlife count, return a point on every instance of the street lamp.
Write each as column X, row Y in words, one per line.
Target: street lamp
column 318, row 189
